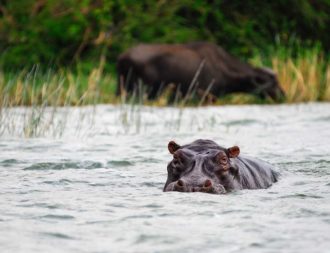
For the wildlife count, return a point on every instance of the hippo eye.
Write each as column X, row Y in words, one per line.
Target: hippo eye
column 223, row 160
column 178, row 159
column 176, row 162
column 177, row 167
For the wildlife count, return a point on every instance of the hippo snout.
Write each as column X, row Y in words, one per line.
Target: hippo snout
column 208, row 187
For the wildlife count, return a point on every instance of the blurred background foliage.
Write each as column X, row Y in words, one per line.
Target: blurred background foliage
column 66, row 33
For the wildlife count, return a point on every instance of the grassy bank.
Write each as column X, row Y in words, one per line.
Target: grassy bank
column 306, row 77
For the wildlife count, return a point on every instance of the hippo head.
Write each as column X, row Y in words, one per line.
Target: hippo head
column 266, row 84
column 201, row 166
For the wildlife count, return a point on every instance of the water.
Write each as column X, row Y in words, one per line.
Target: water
column 98, row 187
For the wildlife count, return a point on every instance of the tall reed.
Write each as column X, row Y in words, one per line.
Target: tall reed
column 45, row 93
column 305, row 77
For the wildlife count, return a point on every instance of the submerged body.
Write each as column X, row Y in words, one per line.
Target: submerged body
column 204, row 166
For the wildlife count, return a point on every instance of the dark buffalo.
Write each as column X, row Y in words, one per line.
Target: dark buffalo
column 199, row 66
column 204, row 166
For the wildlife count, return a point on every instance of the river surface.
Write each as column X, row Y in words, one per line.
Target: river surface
column 91, row 179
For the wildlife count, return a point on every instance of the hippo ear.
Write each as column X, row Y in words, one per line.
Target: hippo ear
column 233, row 151
column 172, row 147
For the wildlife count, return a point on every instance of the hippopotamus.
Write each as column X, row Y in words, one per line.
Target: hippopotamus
column 195, row 67
column 204, row 166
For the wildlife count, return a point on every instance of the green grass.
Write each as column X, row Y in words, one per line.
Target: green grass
column 305, row 77
column 56, row 88
column 304, row 74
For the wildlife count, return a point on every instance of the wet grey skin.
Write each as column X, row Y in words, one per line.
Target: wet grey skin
column 204, row 166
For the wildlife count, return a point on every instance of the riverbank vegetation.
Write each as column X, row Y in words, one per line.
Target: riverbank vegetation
column 57, row 53
column 303, row 78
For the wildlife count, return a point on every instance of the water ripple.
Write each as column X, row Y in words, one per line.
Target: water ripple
column 65, row 165
column 58, row 235
column 10, row 162
column 301, row 196
column 57, row 216
column 119, row 163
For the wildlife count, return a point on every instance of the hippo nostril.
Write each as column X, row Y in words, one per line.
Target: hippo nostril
column 180, row 186
column 180, row 183
column 207, row 183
